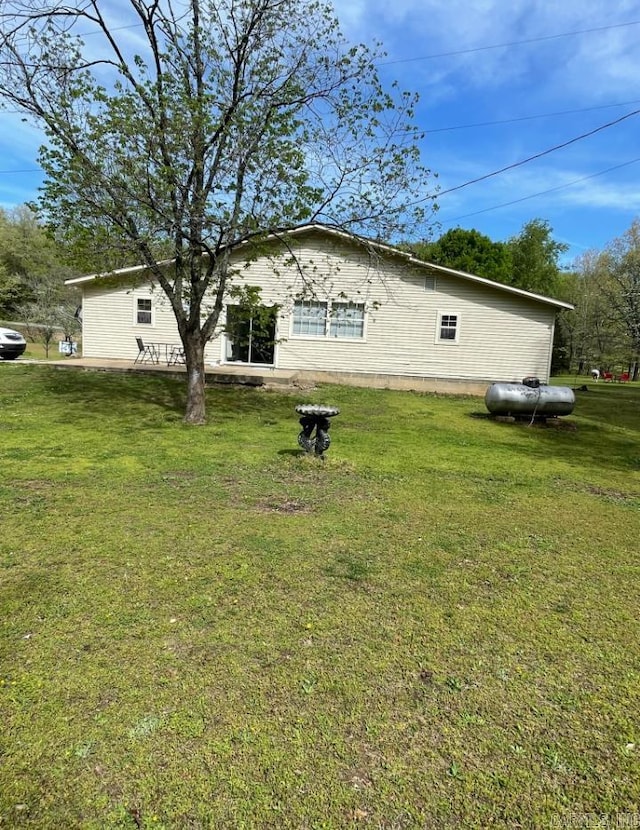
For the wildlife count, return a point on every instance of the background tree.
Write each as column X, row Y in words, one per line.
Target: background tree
column 233, row 121
column 529, row 260
column 598, row 340
column 50, row 312
column 566, row 332
column 28, row 255
column 470, row 251
column 619, row 266
column 535, row 257
column 11, row 293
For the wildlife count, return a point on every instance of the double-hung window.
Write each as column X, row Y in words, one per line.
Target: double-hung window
column 448, row 329
column 143, row 311
column 347, row 320
column 312, row 318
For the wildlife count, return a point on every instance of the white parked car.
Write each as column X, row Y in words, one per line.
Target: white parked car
column 12, row 344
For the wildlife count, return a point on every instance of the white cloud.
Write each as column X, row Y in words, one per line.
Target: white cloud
column 589, row 65
column 545, row 190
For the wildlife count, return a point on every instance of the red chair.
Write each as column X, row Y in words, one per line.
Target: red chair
column 607, row 376
column 624, row 377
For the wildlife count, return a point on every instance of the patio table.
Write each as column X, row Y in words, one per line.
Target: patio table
column 170, row 353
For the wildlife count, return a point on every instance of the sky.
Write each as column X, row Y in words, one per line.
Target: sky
column 498, row 83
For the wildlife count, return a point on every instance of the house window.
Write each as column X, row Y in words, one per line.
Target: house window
column 429, row 283
column 347, row 320
column 143, row 311
column 448, row 328
column 310, row 318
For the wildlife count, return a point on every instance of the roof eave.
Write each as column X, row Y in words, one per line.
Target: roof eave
column 119, row 272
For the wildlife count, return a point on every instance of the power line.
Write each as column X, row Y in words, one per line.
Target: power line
column 35, row 170
column 542, row 192
column 111, row 29
column 502, row 169
column 530, row 117
column 510, row 43
column 484, row 124
column 537, row 155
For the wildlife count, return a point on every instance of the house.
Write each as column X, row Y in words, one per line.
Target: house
column 339, row 308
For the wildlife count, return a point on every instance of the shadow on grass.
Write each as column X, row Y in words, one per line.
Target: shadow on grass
column 602, row 430
column 105, row 393
column 100, row 392
column 582, row 445
column 606, row 417
column 610, row 405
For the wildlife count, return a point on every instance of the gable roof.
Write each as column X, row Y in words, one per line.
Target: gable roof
column 344, row 236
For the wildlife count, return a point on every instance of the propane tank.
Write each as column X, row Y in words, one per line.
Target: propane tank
column 529, row 399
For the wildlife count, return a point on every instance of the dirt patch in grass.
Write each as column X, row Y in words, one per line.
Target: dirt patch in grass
column 614, row 495
column 286, row 506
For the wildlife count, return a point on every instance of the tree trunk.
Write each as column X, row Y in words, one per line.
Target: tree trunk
column 196, row 404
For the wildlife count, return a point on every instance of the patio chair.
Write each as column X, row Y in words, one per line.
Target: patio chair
column 145, row 353
column 176, row 356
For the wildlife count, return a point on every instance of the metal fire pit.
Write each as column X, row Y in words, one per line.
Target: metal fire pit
column 315, row 417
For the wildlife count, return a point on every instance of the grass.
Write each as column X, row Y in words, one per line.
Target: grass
column 201, row 628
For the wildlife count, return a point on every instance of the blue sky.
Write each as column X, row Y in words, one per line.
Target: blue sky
column 576, row 65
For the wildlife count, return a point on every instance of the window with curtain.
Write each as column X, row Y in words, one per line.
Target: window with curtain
column 328, row 319
column 347, row 320
column 310, row 318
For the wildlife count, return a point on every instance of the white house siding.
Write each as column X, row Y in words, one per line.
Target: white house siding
column 502, row 336
column 108, row 321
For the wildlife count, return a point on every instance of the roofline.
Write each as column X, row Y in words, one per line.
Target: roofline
column 389, row 249
column 541, row 298
column 350, row 237
column 131, row 269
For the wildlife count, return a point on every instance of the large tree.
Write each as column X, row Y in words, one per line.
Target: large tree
column 228, row 120
column 593, row 334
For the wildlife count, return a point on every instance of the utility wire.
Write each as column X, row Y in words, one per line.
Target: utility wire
column 484, row 124
column 510, row 43
column 508, row 166
column 537, row 155
column 446, row 221
column 530, row 117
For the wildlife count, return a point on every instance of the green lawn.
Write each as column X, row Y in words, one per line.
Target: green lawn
column 437, row 627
